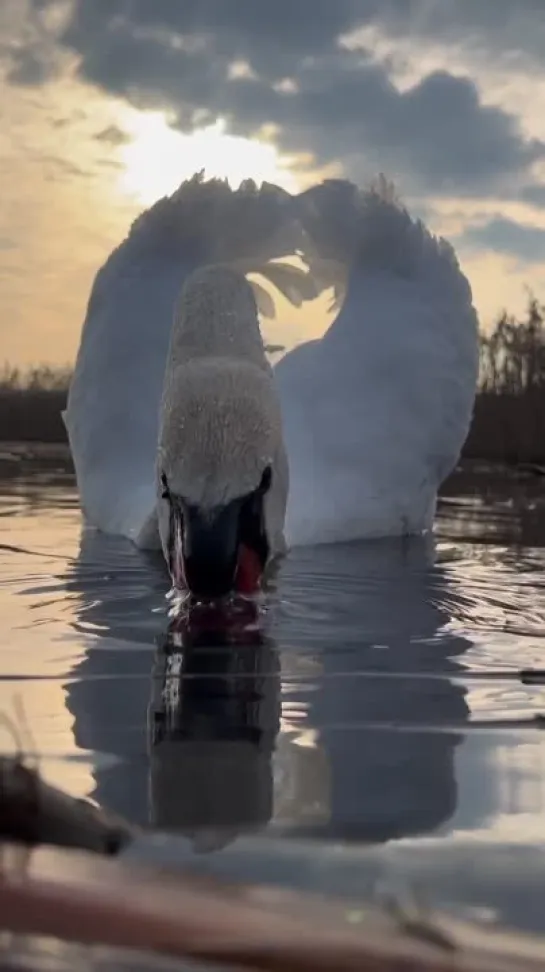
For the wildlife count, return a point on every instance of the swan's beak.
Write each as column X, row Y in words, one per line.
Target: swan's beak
column 210, row 550
column 219, row 552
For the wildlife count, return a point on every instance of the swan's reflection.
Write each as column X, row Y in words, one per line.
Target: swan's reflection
column 368, row 690
column 213, row 720
column 208, row 681
column 371, row 713
column 120, row 613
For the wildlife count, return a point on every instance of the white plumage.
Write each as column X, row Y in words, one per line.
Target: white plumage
column 220, row 422
column 112, row 414
column 375, row 413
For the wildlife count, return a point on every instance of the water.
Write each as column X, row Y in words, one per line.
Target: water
column 378, row 697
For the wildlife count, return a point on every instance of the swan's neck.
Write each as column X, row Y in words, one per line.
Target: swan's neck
column 217, row 322
column 220, row 333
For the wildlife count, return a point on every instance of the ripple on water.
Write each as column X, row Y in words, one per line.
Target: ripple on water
column 380, row 693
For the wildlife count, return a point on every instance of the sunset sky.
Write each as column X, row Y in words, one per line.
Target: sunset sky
column 106, row 105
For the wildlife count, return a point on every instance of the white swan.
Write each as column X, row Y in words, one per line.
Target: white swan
column 222, row 470
column 375, row 413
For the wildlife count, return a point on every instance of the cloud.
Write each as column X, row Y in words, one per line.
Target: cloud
column 271, row 36
column 27, row 40
column 284, row 65
column 56, row 168
column 505, row 236
column 31, row 66
column 437, row 136
column 435, row 120
column 500, row 27
column 293, row 73
column 112, row 135
column 535, row 195
column 275, row 37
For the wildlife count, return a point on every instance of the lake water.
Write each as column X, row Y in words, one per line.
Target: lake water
column 378, row 696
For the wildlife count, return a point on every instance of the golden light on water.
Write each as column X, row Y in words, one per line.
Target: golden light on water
column 156, row 158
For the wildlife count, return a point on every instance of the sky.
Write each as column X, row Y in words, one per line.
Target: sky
column 106, row 105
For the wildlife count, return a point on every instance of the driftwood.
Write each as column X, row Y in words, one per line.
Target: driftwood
column 90, row 898
column 32, row 813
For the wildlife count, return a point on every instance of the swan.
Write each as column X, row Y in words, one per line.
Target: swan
column 374, row 413
column 221, row 463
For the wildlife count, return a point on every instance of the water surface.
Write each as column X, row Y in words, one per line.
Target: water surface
column 378, row 696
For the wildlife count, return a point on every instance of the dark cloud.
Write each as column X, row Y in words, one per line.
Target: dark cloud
column 112, row 135
column 273, row 37
column 501, row 28
column 438, row 132
column 31, row 67
column 505, row 236
column 535, row 195
column 437, row 137
column 27, row 45
column 57, row 169
column 71, row 118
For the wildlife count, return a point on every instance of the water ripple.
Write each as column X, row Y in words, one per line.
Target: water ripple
column 380, row 688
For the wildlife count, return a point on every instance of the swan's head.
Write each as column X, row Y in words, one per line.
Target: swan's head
column 220, row 431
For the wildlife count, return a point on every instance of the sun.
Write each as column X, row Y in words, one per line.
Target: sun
column 156, row 158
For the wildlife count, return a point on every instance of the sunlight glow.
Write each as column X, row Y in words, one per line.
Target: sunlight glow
column 156, row 158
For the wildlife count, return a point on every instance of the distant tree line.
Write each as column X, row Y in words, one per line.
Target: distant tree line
column 508, row 423
column 38, row 378
column 509, row 420
column 513, row 355
column 31, row 402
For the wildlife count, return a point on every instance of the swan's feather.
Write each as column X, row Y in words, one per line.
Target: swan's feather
column 376, row 413
column 220, row 421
